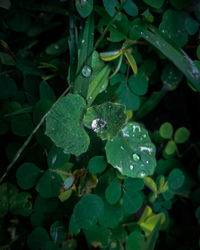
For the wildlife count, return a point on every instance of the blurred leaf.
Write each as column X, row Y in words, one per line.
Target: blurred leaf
column 149, row 182
column 111, row 6
column 105, row 119
column 181, row 135
column 170, row 148
column 113, row 192
column 176, row 179
column 131, row 8
column 191, row 26
column 154, row 3
column 97, row 165
column 5, row 4
column 166, row 130
column 40, row 109
column 20, row 204
column 49, row 184
column 57, row 158
column 57, row 232
column 22, row 125
column 46, row 92
column 135, row 239
column 27, row 175
column 84, row 7
column 38, row 238
column 8, row 87
column 132, row 152
column 63, row 125
column 138, row 84
column 57, row 48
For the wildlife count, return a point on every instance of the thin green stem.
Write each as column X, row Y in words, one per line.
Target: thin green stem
column 19, row 152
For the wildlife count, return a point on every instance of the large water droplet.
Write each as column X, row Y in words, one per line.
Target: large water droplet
column 136, row 157
column 86, row 71
column 98, row 125
column 142, row 174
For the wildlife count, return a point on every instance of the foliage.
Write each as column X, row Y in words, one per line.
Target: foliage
column 99, row 124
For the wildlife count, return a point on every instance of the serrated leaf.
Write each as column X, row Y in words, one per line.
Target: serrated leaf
column 63, row 125
column 105, row 119
column 132, row 152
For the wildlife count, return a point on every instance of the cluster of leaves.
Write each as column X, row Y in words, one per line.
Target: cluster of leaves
column 100, row 148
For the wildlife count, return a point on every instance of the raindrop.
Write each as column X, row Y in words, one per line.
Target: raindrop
column 142, row 174
column 83, row 41
column 86, row 71
column 122, row 148
column 131, row 167
column 147, row 162
column 98, row 125
column 144, row 135
column 136, row 157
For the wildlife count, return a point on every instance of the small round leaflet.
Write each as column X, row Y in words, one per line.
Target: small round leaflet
column 132, row 152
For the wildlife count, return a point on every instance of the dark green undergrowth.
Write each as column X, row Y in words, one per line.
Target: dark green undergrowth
column 99, row 124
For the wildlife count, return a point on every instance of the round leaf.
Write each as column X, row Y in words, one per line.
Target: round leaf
column 113, row 192
column 27, row 175
column 135, row 239
column 63, row 125
column 181, row 135
column 138, row 84
column 132, row 201
column 88, row 210
column 166, row 130
column 38, row 238
column 132, row 152
column 97, row 165
column 58, row 232
column 22, row 125
column 57, row 158
column 21, row 204
column 8, row 87
column 49, row 184
column 170, row 148
column 176, row 179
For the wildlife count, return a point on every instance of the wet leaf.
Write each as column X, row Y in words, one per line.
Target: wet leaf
column 105, row 119
column 132, row 152
column 63, row 125
column 58, row 232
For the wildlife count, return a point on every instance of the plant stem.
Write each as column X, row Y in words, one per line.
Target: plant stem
column 19, row 152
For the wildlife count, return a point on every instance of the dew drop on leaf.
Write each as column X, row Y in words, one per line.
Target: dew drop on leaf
column 86, row 71
column 98, row 125
column 142, row 174
column 136, row 157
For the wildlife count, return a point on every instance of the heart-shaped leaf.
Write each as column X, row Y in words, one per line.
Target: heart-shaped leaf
column 132, row 152
column 63, row 125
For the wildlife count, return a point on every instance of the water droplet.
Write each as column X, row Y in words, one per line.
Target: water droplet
column 83, row 41
column 136, row 157
column 131, row 167
column 136, row 127
column 86, row 71
column 147, row 162
column 122, row 148
column 54, row 159
column 144, row 135
column 52, row 177
column 149, row 150
column 98, row 125
column 142, row 174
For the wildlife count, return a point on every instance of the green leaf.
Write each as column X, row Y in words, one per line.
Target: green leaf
column 176, row 179
column 49, row 184
column 132, row 152
column 20, row 204
column 177, row 33
column 155, row 3
column 135, row 239
column 63, row 125
column 105, row 119
column 138, row 84
column 97, row 84
column 170, row 148
column 97, row 165
column 88, row 210
column 113, row 192
column 131, row 8
column 40, row 109
column 132, row 201
column 57, row 158
column 131, row 61
column 8, row 87
column 171, row 76
column 191, row 26
column 4, row 127
column 176, row 55
column 38, row 238
column 65, row 195
column 126, row 97
column 198, row 52
column 133, row 184
column 89, row 67
column 46, row 92
column 149, row 182
column 57, row 48
column 97, row 236
column 58, row 232
column 27, row 175
column 181, row 135
column 84, row 8
column 166, row 130
column 6, row 59
column 111, row 216
column 111, row 6
column 22, row 125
